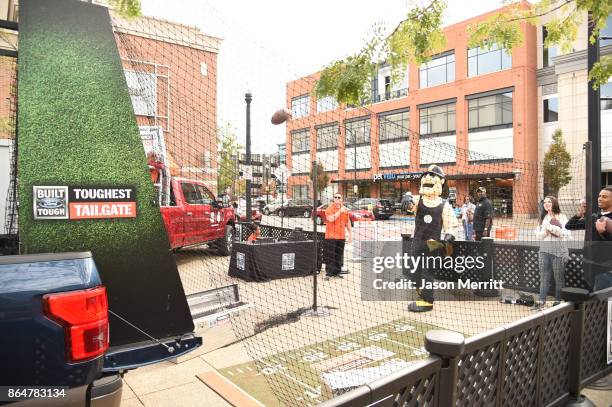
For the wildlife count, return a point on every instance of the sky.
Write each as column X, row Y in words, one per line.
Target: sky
column 268, row 43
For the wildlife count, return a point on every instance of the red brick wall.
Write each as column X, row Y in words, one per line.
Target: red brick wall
column 522, row 76
column 192, row 126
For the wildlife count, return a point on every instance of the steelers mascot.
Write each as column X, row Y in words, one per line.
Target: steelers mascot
column 433, row 214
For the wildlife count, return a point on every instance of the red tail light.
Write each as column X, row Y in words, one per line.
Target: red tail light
column 84, row 316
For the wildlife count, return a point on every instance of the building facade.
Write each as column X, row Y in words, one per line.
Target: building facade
column 563, row 104
column 171, row 72
column 471, row 111
column 262, row 167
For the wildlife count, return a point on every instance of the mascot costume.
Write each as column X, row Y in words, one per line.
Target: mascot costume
column 433, row 214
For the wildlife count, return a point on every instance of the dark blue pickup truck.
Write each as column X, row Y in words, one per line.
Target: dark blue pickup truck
column 54, row 332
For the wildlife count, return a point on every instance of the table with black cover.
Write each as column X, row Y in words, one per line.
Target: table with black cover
column 271, row 260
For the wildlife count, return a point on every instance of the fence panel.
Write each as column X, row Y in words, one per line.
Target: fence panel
column 479, row 370
column 594, row 340
column 414, row 386
column 554, row 374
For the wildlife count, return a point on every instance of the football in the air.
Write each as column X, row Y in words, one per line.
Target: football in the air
column 280, row 116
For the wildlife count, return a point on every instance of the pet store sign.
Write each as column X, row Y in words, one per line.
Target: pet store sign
column 76, row 203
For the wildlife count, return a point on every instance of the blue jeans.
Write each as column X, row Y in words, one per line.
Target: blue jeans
column 551, row 263
column 468, row 229
column 602, row 281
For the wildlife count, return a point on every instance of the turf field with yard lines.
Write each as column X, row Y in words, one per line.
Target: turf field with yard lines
column 312, row 374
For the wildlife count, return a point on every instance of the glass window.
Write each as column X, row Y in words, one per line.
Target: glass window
column 190, row 193
column 300, row 192
column 548, row 53
column 357, row 131
column 606, row 32
column 437, row 71
column 300, row 141
column 142, row 87
column 482, row 60
column 325, row 104
column 437, row 119
column 206, row 197
column 394, row 126
column 300, row 106
column 491, row 110
column 551, row 110
column 605, row 92
column 327, row 137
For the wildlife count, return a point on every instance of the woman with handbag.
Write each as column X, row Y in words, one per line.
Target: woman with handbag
column 553, row 253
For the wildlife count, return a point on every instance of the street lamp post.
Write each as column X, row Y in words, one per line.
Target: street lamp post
column 248, row 98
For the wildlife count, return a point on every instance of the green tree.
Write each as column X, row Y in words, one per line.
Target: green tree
column 322, row 178
column 420, row 36
column 227, row 150
column 557, row 165
column 126, row 8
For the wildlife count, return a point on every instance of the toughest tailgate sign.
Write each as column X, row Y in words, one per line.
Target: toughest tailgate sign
column 84, row 202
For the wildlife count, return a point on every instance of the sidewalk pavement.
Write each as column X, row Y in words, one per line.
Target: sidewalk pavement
column 175, row 383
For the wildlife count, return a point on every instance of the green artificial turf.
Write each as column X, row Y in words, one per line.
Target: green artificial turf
column 76, row 126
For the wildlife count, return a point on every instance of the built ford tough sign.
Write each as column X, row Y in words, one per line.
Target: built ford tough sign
column 63, row 202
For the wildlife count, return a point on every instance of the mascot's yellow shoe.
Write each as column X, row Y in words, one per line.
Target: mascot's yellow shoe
column 420, row 306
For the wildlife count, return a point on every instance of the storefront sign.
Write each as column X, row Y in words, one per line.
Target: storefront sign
column 401, row 176
column 75, row 203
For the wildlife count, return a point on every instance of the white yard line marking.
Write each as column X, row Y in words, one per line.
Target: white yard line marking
column 240, row 371
column 283, row 359
column 229, row 372
column 249, row 368
column 243, row 392
column 293, row 378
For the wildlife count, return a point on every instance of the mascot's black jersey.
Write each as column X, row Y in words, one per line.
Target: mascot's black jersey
column 427, row 224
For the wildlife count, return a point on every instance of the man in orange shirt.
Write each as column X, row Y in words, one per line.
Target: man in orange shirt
column 337, row 231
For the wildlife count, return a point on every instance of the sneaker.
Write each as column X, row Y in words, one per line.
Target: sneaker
column 556, row 303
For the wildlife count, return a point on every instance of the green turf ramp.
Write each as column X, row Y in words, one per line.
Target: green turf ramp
column 76, row 127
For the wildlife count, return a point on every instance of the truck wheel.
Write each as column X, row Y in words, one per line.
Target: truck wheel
column 224, row 245
column 319, row 220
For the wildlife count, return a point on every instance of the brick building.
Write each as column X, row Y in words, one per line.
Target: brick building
column 472, row 111
column 171, row 72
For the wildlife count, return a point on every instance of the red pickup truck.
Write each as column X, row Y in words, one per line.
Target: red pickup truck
column 195, row 217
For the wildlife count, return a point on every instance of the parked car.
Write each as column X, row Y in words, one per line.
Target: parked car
column 296, row 207
column 259, row 203
column 196, row 217
column 241, row 212
column 272, row 207
column 355, row 214
column 381, row 208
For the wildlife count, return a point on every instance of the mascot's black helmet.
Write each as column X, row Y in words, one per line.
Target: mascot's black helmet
column 435, row 170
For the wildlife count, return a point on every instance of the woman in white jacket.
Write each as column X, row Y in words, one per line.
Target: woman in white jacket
column 553, row 248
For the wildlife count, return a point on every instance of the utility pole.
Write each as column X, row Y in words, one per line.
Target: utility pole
column 248, row 98
column 594, row 120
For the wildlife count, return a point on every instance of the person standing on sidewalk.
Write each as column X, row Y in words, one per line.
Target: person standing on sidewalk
column 337, row 232
column 553, row 253
column 483, row 215
column 467, row 217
